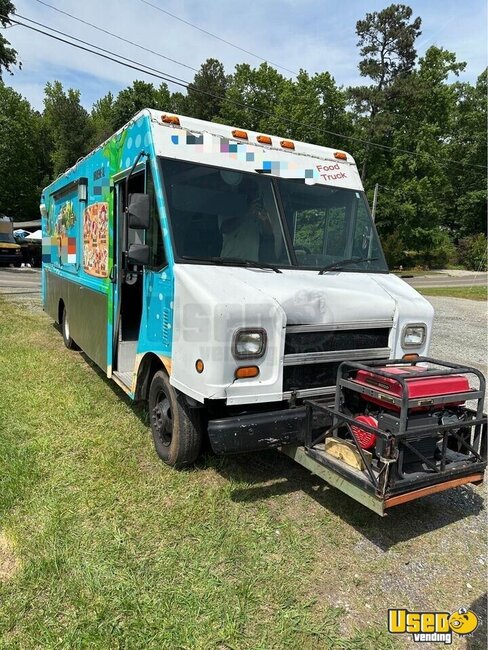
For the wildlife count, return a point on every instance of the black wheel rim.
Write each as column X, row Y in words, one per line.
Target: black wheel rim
column 162, row 419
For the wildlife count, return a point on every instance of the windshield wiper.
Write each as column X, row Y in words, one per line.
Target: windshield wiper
column 233, row 261
column 337, row 266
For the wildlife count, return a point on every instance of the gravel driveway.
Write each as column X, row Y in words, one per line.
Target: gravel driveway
column 460, row 331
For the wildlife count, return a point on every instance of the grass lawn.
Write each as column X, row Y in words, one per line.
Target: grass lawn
column 474, row 292
column 102, row 546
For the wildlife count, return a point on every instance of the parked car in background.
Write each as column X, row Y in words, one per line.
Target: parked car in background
column 20, row 233
column 31, row 246
column 10, row 250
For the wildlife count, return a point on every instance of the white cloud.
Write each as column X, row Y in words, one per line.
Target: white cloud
column 297, row 34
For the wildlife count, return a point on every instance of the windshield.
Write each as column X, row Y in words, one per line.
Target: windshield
column 7, row 238
column 329, row 225
column 226, row 214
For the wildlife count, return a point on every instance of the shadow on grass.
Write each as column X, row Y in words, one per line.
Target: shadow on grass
column 269, row 474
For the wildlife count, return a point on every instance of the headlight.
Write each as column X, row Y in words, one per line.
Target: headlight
column 249, row 343
column 413, row 335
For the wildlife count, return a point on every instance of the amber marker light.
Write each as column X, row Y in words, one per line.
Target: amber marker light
column 199, row 366
column 287, row 144
column 246, row 372
column 170, row 119
column 411, row 357
column 340, row 155
column 264, row 139
column 237, row 133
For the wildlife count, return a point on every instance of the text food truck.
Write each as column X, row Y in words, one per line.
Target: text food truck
column 236, row 282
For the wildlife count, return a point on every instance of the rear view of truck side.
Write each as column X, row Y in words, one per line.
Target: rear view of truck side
column 235, row 281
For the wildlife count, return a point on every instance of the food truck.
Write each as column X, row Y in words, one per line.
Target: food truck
column 235, row 281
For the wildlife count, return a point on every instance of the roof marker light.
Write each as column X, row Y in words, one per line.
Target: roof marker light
column 287, row 144
column 340, row 155
column 170, row 119
column 264, row 139
column 237, row 133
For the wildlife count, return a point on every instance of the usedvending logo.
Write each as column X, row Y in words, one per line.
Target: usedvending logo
column 432, row 626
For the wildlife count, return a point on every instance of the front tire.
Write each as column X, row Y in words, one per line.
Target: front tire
column 68, row 341
column 175, row 427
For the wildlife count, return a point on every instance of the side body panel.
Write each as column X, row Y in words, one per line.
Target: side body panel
column 78, row 250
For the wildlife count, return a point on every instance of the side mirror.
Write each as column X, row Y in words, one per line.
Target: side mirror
column 139, row 211
column 139, row 254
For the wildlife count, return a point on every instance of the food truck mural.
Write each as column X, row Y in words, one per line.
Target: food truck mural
column 95, row 239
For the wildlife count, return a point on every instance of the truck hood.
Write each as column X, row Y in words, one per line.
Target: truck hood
column 213, row 302
column 304, row 296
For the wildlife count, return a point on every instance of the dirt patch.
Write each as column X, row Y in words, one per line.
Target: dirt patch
column 9, row 563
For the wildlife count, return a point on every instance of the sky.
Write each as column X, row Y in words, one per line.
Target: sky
column 317, row 35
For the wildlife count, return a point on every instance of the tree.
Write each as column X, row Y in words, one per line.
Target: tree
column 8, row 56
column 135, row 98
column 252, row 88
column 311, row 106
column 416, row 199
column 207, row 91
column 179, row 104
column 69, row 125
column 102, row 119
column 386, row 39
column 20, row 176
column 468, row 145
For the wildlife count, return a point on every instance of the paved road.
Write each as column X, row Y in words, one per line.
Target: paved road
column 20, row 281
column 442, row 280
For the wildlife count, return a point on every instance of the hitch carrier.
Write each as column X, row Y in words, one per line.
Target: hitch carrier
column 382, row 480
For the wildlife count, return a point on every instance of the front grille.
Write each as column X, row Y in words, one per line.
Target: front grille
column 301, row 342
column 313, row 375
column 313, row 357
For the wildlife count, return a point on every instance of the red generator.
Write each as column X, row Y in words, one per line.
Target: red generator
column 407, row 425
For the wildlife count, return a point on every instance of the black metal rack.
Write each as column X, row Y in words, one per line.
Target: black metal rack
column 388, row 477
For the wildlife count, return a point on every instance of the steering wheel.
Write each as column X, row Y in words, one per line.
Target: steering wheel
column 305, row 249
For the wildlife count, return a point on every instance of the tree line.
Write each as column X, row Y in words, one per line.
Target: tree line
column 413, row 128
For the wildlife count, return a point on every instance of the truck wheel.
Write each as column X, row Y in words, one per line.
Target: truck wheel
column 68, row 341
column 177, row 436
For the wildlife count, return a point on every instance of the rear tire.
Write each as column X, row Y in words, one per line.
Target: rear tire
column 68, row 341
column 175, row 428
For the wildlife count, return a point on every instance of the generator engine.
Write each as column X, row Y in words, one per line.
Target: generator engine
column 381, row 401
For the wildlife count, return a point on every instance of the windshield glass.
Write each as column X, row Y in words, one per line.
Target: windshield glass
column 222, row 213
column 329, row 225
column 7, row 238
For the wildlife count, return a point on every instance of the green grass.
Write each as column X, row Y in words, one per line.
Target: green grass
column 102, row 546
column 474, row 292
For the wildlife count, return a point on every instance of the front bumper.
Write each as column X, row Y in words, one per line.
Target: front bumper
column 11, row 257
column 255, row 431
